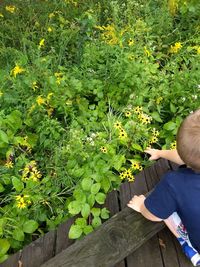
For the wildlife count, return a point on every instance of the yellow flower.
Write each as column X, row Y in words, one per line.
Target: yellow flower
column 122, row 175
column 40, row 101
column 173, row 145
column 174, row 49
column 50, row 111
column 122, row 134
column 41, row 43
column 127, row 114
column 147, row 52
column 11, row 9
column 51, row 15
column 131, row 178
column 1, row 93
column 1, row 15
column 135, row 165
column 49, row 29
column 9, row 164
column 17, row 70
column 117, row 125
column 155, row 132
column 159, row 100
column 137, row 110
column 34, row 86
column 103, row 149
column 130, row 42
column 21, row 205
column 49, row 96
column 154, row 139
column 144, row 118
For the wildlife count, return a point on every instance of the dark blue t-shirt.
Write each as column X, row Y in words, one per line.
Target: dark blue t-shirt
column 179, row 191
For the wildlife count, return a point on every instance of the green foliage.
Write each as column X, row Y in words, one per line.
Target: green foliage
column 82, row 94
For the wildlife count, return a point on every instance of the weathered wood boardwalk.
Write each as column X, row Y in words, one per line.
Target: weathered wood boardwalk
column 162, row 250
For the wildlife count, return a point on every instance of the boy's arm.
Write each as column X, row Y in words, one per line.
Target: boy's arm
column 171, row 155
column 137, row 204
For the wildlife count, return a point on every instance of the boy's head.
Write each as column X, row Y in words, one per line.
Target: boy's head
column 188, row 140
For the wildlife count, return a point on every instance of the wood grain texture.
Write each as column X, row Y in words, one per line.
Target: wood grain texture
column 110, row 243
column 39, row 251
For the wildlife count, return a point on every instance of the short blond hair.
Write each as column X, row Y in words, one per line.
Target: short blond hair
column 188, row 140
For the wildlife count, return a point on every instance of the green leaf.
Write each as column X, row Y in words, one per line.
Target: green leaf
column 96, row 222
column 85, row 211
column 18, row 234
column 18, row 185
column 3, row 137
column 118, row 160
column 82, row 222
column 3, row 258
column 91, row 200
column 137, row 147
column 169, row 126
column 30, row 226
column 79, row 195
column 105, row 184
column 105, row 213
column 75, row 231
column 74, row 207
column 88, row 229
column 95, row 188
column 86, row 184
column 156, row 116
column 4, row 246
column 172, row 108
column 1, row 188
column 95, row 212
column 100, row 198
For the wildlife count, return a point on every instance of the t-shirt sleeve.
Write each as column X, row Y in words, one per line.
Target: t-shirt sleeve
column 161, row 202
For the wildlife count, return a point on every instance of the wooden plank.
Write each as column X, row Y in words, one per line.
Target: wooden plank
column 39, row 251
column 112, row 202
column 148, row 255
column 12, row 261
column 168, row 248
column 124, row 194
column 109, row 244
column 62, row 239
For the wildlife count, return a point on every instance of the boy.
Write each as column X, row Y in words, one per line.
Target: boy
column 176, row 199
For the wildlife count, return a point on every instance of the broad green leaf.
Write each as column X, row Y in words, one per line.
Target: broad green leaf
column 18, row 234
column 74, row 207
column 3, row 258
column 95, row 188
column 4, row 246
column 100, row 198
column 95, row 212
column 86, row 184
column 105, row 184
column 3, row 137
column 118, row 160
column 30, row 226
column 96, row 222
column 88, row 229
column 137, row 147
column 91, row 200
column 18, row 185
column 75, row 231
column 79, row 195
column 156, row 116
column 105, row 213
column 169, row 126
column 85, row 211
column 82, row 222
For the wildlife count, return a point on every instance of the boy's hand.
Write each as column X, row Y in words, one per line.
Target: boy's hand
column 136, row 203
column 155, row 153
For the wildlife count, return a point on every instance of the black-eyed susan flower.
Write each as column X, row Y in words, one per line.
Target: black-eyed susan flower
column 173, row 145
column 122, row 134
column 155, row 132
column 103, row 149
column 153, row 140
column 40, row 100
column 117, row 125
column 127, row 114
column 175, row 48
column 122, row 175
column 135, row 165
column 137, row 110
column 131, row 178
column 130, row 42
